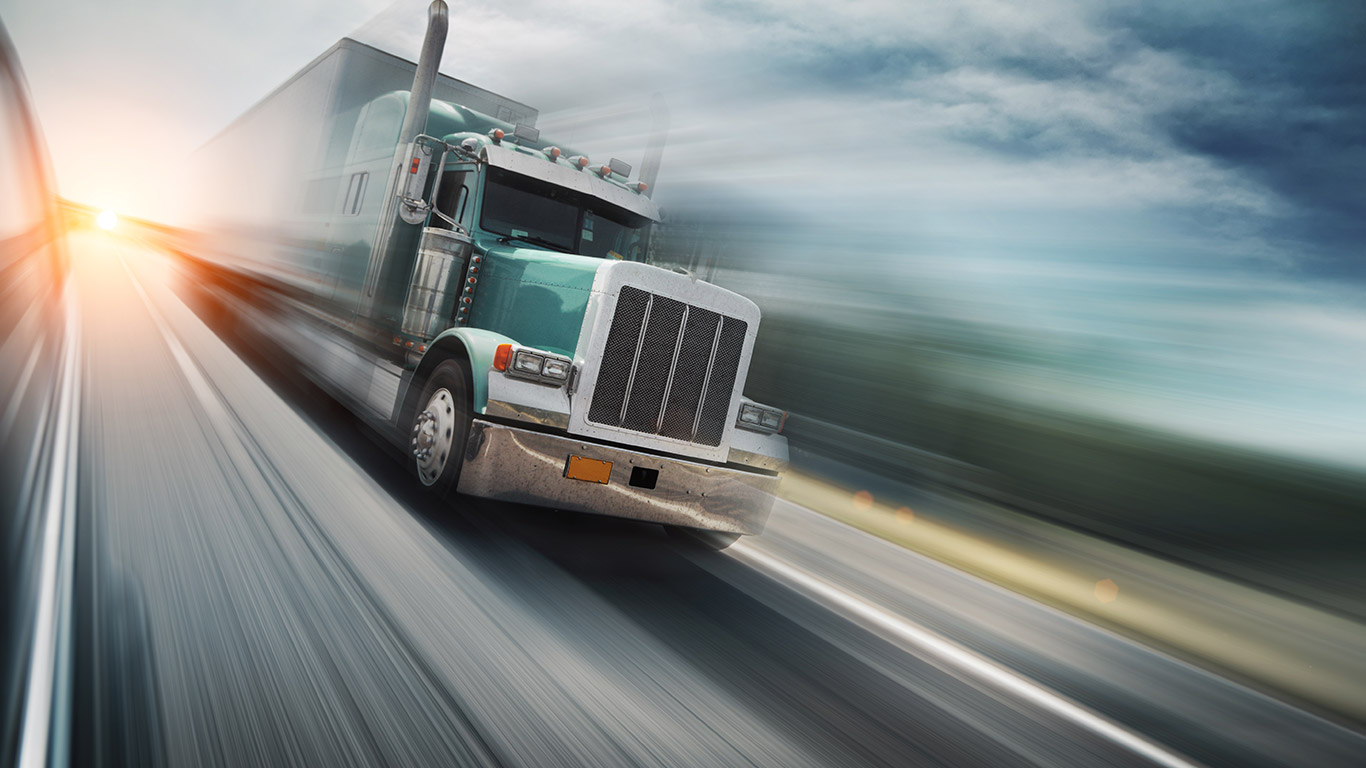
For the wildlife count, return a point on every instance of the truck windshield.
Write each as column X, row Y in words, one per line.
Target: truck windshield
column 522, row 208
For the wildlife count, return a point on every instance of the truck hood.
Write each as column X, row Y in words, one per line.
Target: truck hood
column 535, row 296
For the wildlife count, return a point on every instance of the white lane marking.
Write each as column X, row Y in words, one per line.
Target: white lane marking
column 958, row 657
column 43, row 739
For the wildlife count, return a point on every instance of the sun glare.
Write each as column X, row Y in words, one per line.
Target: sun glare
column 107, row 220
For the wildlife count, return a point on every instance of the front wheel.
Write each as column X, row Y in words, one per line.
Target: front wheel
column 441, row 427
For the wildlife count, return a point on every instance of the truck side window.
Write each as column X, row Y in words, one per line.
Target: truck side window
column 355, row 194
column 452, row 197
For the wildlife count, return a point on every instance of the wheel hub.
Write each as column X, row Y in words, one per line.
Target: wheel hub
column 433, row 435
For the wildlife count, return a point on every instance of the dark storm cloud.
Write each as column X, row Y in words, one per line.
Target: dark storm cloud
column 1295, row 120
column 1276, row 95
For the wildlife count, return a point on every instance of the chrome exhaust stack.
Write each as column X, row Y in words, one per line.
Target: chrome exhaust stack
column 414, row 124
column 428, row 61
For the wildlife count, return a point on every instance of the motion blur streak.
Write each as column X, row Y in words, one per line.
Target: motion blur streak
column 39, row 384
column 956, row 656
column 47, row 709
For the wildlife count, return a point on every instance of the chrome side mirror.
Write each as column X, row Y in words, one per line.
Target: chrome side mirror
column 417, row 168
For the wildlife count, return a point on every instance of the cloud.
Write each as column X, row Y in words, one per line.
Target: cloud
column 983, row 104
column 1293, row 121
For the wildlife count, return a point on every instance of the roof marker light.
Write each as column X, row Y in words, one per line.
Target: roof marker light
column 552, row 152
column 640, row 187
column 496, row 134
column 579, row 161
column 604, row 171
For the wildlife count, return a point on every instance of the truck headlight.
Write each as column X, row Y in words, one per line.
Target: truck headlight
column 759, row 418
column 527, row 362
column 533, row 364
column 555, row 368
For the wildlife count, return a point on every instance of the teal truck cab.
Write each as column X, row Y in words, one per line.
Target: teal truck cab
column 487, row 296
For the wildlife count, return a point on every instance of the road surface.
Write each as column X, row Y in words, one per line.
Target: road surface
column 257, row 581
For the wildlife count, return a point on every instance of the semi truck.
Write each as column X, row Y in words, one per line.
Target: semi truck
column 487, row 297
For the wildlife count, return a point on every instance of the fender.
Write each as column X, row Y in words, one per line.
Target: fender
column 476, row 346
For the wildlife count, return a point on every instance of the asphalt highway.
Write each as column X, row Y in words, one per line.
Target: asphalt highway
column 257, row 581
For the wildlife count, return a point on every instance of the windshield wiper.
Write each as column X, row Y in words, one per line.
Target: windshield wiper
column 534, row 241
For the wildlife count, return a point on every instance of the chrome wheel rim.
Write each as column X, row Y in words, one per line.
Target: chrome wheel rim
column 433, row 434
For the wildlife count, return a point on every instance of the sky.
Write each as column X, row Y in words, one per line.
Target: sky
column 1178, row 183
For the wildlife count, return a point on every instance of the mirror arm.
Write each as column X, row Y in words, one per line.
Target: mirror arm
column 421, row 205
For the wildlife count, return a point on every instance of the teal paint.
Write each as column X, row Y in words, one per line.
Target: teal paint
column 536, row 297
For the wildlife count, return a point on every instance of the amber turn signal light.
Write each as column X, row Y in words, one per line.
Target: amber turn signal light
column 501, row 357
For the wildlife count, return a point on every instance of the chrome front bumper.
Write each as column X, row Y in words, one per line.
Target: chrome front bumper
column 528, row 467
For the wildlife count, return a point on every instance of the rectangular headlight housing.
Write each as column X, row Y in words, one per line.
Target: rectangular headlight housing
column 538, row 366
column 556, row 368
column 760, row 418
column 527, row 362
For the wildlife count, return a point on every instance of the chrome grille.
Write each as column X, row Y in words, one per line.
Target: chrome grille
column 668, row 368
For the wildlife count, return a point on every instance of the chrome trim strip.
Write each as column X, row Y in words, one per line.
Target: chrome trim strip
column 673, row 368
column 706, row 380
column 752, row 459
column 527, row 413
column 635, row 362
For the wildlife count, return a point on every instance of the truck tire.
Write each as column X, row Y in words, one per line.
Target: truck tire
column 441, row 427
column 714, row 541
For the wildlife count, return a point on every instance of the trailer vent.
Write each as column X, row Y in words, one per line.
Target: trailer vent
column 668, row 368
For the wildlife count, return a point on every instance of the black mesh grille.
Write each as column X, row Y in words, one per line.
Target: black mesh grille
column 716, row 400
column 668, row 368
column 655, row 364
column 618, row 357
column 694, row 355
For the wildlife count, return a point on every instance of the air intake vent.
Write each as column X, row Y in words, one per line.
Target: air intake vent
column 668, row 368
